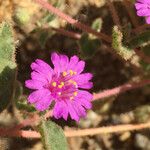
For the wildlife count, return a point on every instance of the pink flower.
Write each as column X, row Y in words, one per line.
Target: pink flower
column 143, row 9
column 64, row 85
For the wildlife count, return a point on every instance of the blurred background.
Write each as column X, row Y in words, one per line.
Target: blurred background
column 38, row 33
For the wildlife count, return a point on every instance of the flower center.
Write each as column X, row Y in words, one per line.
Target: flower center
column 64, row 87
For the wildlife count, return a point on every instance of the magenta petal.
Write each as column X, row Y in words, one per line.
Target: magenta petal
column 83, row 80
column 73, row 62
column 44, row 100
column 55, row 60
column 38, row 95
column 60, row 62
column 64, row 60
column 43, row 68
column 72, row 112
column 143, row 12
column 58, row 110
column 34, row 84
column 139, row 6
column 37, row 76
column 79, row 109
column 84, row 98
column 80, row 67
column 142, row 1
column 88, row 85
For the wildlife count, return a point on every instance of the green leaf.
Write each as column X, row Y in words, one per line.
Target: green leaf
column 52, row 136
column 125, row 52
column 22, row 16
column 43, row 38
column 88, row 46
column 48, row 17
column 140, row 40
column 7, row 47
column 22, row 104
column 145, row 66
column 97, row 24
column 7, row 81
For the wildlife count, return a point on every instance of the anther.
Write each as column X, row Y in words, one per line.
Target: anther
column 74, row 73
column 62, row 83
column 54, row 84
column 60, row 86
column 64, row 73
column 75, row 93
column 71, row 72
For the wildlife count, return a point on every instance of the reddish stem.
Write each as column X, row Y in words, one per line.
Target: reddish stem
column 120, row 89
column 18, row 133
column 141, row 28
column 114, row 13
column 72, row 21
column 76, row 133
column 68, row 33
column 129, row 7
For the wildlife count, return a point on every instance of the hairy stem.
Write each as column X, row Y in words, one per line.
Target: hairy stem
column 120, row 89
column 114, row 13
column 76, row 133
column 72, row 21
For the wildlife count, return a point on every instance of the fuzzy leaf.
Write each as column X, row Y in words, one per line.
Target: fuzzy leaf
column 125, row 52
column 22, row 16
column 140, row 40
column 88, row 46
column 7, row 47
column 22, row 104
column 97, row 24
column 52, row 136
column 7, row 80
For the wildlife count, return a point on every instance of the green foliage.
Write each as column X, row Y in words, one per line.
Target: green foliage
column 43, row 37
column 7, row 66
column 22, row 16
column 146, row 66
column 142, row 113
column 88, row 45
column 52, row 136
column 22, row 104
column 49, row 18
column 21, row 100
column 139, row 40
column 97, row 24
column 7, row 79
column 125, row 52
column 7, row 47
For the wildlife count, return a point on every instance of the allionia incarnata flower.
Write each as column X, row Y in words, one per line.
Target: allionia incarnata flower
column 64, row 85
column 143, row 9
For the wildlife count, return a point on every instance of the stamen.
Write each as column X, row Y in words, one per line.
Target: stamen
column 71, row 72
column 74, row 72
column 75, row 93
column 61, row 85
column 54, row 84
column 64, row 73
column 73, row 82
